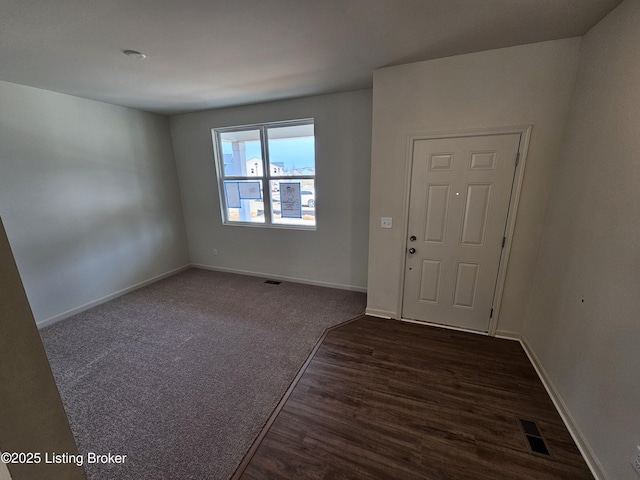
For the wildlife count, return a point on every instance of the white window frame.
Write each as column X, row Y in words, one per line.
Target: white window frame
column 266, row 178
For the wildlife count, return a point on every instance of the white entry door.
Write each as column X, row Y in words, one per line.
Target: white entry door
column 460, row 195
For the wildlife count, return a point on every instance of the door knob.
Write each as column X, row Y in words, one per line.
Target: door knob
column 412, row 251
column 412, row 238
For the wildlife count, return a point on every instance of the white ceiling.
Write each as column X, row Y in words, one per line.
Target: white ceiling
column 213, row 53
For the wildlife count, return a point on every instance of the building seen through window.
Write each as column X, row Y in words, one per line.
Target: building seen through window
column 276, row 158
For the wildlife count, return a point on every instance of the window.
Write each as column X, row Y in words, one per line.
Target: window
column 276, row 158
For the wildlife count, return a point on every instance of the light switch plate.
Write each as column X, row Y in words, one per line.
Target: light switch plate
column 386, row 222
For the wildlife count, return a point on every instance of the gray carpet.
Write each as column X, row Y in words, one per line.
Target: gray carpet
column 181, row 375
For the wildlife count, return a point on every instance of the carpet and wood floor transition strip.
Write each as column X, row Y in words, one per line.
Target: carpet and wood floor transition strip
column 381, row 399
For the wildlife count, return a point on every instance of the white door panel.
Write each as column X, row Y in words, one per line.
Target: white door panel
column 460, row 192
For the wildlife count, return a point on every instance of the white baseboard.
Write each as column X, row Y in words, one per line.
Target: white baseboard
column 507, row 335
column 577, row 435
column 373, row 312
column 444, row 327
column 95, row 303
column 282, row 278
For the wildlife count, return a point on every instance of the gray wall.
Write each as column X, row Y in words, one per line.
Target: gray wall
column 529, row 84
column 89, row 197
column 31, row 412
column 591, row 250
column 4, row 472
column 336, row 253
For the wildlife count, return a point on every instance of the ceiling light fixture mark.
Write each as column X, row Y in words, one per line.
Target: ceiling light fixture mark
column 134, row 54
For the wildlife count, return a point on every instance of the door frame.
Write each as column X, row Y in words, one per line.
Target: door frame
column 525, row 135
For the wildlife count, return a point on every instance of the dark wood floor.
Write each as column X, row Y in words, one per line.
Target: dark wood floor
column 383, row 399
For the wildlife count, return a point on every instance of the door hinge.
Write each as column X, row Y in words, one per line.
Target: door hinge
column 504, row 240
column 491, row 314
column 517, row 158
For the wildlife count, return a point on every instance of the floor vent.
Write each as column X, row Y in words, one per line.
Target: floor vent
column 272, row 282
column 534, row 439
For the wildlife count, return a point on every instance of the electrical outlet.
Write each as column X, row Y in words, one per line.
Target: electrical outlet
column 635, row 461
column 215, row 251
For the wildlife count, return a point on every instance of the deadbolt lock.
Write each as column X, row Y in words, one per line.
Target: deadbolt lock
column 412, row 238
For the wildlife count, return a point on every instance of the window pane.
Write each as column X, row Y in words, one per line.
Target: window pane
column 291, row 150
column 289, row 159
column 244, row 201
column 241, row 153
column 293, row 202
